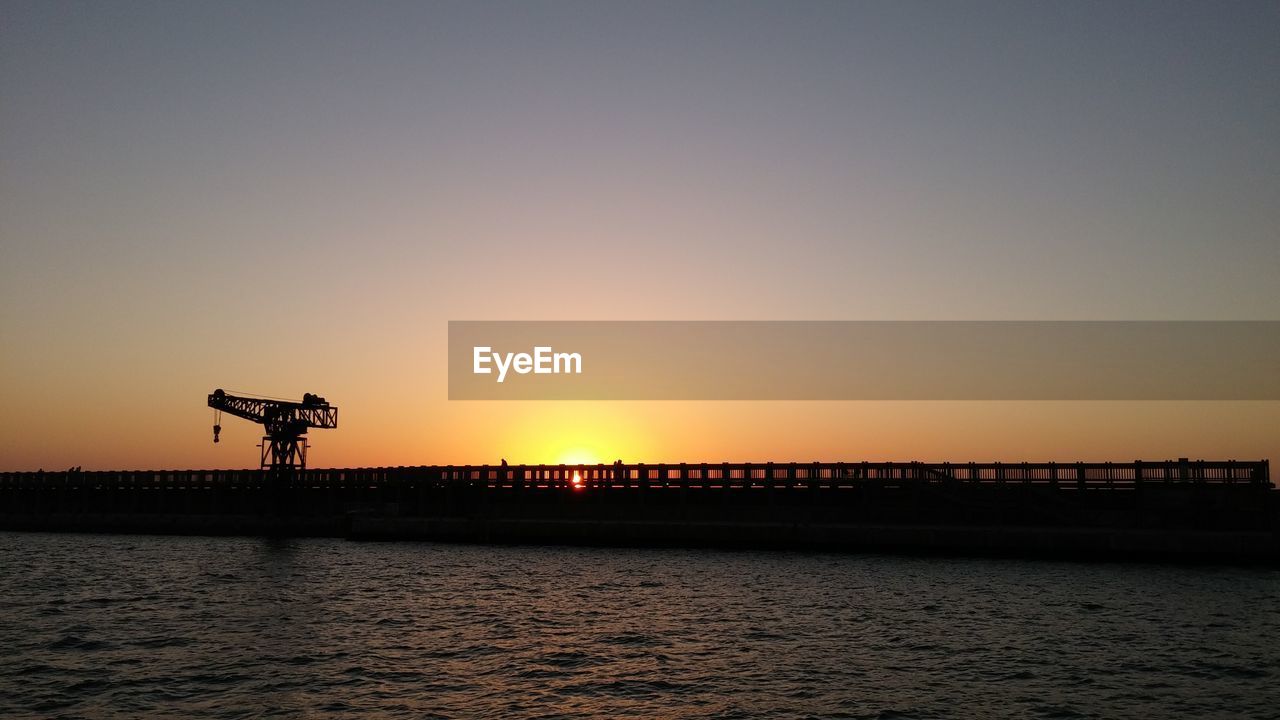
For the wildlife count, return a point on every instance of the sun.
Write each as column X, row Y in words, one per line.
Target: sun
column 578, row 456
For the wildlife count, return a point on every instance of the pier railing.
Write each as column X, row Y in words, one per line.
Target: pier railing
column 740, row 476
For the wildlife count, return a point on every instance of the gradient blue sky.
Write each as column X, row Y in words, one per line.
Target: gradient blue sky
column 287, row 197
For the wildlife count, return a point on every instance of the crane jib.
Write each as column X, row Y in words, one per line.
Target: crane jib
column 285, row 422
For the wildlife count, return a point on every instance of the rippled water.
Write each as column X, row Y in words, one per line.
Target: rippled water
column 119, row 626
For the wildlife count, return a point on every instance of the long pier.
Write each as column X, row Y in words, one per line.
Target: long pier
column 1173, row 509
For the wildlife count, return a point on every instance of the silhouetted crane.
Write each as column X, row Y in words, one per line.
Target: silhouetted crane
column 285, row 422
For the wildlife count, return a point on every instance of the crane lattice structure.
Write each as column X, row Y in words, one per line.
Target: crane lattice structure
column 284, row 447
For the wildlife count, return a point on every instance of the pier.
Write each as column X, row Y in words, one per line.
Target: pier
column 1173, row 509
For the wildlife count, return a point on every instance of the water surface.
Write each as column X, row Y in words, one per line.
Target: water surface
column 123, row 626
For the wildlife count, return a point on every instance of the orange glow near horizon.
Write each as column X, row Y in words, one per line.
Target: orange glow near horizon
column 377, row 429
column 579, row 456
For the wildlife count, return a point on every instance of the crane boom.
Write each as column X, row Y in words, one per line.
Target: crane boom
column 284, row 421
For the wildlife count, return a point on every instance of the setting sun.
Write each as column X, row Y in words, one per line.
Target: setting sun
column 579, row 456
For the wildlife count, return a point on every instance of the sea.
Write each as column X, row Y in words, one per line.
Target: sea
column 103, row 626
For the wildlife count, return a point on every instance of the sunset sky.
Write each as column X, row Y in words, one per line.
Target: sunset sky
column 288, row 197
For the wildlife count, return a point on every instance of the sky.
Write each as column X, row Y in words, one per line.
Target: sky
column 294, row 197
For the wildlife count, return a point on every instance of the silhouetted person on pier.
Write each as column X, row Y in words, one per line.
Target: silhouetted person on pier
column 504, row 462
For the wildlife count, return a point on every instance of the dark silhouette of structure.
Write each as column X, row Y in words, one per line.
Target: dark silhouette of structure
column 284, row 447
column 1184, row 510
